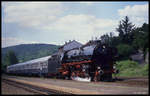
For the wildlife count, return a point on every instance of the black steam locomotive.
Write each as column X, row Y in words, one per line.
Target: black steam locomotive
column 91, row 62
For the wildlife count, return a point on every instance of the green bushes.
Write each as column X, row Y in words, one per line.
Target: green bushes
column 124, row 50
column 131, row 68
column 145, row 70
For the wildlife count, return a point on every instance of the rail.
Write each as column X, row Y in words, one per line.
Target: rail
column 32, row 88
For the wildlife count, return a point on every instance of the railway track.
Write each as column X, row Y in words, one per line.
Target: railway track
column 47, row 86
column 33, row 89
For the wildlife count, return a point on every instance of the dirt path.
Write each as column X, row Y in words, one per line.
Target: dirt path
column 124, row 86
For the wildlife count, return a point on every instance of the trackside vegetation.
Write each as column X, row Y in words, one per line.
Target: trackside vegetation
column 130, row 68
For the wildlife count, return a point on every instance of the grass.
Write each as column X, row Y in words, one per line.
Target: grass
column 129, row 68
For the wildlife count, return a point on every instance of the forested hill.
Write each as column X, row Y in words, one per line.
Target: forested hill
column 25, row 52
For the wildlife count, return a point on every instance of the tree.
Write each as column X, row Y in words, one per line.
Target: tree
column 10, row 59
column 105, row 38
column 13, row 59
column 115, row 41
column 145, row 30
column 108, row 39
column 124, row 50
column 125, row 30
column 141, row 37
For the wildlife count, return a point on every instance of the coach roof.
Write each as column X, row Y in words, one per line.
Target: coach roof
column 32, row 61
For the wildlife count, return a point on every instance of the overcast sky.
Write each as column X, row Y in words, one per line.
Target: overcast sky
column 57, row 22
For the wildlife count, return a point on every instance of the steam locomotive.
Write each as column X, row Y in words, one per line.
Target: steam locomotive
column 90, row 62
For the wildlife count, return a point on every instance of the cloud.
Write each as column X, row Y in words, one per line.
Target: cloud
column 82, row 27
column 9, row 41
column 137, row 13
column 31, row 14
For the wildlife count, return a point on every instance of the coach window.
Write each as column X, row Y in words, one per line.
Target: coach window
column 32, row 65
column 25, row 67
column 43, row 64
column 35, row 66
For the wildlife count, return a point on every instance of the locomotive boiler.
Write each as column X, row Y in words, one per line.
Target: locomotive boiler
column 90, row 62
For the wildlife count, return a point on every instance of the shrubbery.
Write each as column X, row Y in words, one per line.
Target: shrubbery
column 132, row 68
column 124, row 50
column 145, row 70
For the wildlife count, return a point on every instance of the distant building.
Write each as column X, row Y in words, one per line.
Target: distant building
column 68, row 46
column 139, row 57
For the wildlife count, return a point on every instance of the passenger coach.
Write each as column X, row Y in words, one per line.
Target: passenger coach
column 46, row 66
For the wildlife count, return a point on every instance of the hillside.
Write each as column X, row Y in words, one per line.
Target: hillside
column 25, row 52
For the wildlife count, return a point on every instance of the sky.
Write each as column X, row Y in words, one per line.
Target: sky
column 58, row 22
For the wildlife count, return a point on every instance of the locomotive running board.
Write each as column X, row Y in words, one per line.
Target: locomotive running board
column 74, row 63
column 81, row 79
